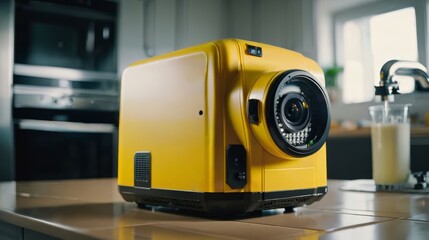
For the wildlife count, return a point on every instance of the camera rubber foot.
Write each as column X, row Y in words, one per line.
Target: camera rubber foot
column 288, row 209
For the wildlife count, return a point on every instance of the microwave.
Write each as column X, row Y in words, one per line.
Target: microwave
column 76, row 34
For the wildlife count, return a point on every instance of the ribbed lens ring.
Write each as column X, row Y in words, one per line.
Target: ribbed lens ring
column 297, row 113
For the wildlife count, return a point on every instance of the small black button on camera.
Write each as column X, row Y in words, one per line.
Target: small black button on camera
column 254, row 51
column 253, row 111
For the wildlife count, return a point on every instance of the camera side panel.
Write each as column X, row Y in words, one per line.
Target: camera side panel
column 164, row 112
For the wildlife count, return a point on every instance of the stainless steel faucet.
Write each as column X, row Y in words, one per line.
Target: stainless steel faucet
column 388, row 87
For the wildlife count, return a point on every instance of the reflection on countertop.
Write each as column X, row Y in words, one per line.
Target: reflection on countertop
column 93, row 209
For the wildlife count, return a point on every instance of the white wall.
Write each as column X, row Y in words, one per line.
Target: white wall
column 130, row 33
column 324, row 10
column 148, row 27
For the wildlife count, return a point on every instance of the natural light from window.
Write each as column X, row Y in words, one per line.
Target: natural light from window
column 371, row 41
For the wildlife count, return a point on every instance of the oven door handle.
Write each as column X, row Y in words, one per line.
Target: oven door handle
column 60, row 126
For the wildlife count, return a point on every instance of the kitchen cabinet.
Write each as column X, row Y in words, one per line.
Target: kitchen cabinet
column 148, row 28
column 349, row 154
column 13, row 232
column 349, row 157
column 9, row 231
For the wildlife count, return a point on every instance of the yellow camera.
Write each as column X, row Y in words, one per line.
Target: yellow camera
column 229, row 126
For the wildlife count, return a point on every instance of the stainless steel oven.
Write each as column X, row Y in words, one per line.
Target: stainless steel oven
column 78, row 34
column 64, row 150
column 65, row 127
column 65, row 89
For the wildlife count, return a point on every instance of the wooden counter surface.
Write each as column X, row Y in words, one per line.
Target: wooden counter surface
column 366, row 132
column 93, row 209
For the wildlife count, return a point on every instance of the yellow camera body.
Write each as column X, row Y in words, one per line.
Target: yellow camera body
column 229, row 126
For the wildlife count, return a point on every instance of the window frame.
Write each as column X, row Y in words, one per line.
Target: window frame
column 421, row 8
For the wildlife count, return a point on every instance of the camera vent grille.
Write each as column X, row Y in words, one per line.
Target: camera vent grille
column 142, row 169
column 190, row 204
column 285, row 203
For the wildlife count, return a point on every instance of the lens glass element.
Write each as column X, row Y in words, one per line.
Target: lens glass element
column 294, row 111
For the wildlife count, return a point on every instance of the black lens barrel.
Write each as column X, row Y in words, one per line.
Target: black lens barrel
column 298, row 113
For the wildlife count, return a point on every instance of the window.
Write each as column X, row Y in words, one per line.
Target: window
column 365, row 41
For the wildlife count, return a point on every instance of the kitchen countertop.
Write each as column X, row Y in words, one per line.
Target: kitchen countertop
column 93, row 209
column 415, row 131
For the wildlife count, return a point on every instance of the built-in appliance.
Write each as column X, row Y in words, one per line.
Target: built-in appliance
column 65, row 89
column 78, row 34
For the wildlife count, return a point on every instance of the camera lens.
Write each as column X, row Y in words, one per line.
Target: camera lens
column 294, row 111
column 297, row 113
